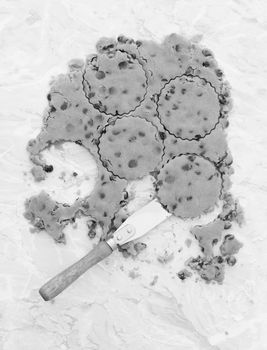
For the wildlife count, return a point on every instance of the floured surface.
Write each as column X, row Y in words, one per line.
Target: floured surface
column 109, row 305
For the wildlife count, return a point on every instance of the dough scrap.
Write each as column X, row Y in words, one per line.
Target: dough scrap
column 209, row 269
column 188, row 107
column 46, row 214
column 189, row 186
column 209, row 235
column 131, row 147
column 230, row 245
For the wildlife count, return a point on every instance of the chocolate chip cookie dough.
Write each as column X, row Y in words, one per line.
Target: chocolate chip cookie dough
column 143, row 108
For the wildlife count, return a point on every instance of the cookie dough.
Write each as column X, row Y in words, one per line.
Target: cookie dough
column 188, row 107
column 131, row 148
column 209, row 269
column 189, row 186
column 230, row 245
column 105, row 200
column 141, row 107
column 209, row 235
column 114, row 83
column 46, row 214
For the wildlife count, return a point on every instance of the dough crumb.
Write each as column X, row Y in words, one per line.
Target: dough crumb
column 184, row 274
column 38, row 173
column 208, row 235
column 230, row 245
column 209, row 269
column 46, row 214
column 166, row 257
column 134, row 273
column 132, row 249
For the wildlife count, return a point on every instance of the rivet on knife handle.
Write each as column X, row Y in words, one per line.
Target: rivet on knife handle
column 121, row 236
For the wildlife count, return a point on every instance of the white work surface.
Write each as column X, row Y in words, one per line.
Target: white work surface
column 115, row 306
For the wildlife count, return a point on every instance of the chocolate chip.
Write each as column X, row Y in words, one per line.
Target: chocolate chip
column 222, row 99
column 48, row 168
column 112, row 90
column 191, row 158
column 206, row 52
column 64, row 106
column 132, row 163
column 229, row 237
column 99, row 117
column 115, row 132
column 219, row 73
column 219, row 259
column 227, row 225
column 162, row 135
column 117, row 154
column 123, row 65
column 170, row 179
column 88, row 135
column 167, row 97
column 187, row 167
column 100, row 75
column 206, row 64
column 231, row 260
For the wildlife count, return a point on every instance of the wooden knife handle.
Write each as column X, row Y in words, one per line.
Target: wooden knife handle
column 60, row 282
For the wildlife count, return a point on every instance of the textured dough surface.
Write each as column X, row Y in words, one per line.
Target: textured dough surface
column 131, row 148
column 188, row 107
column 114, row 83
column 189, row 185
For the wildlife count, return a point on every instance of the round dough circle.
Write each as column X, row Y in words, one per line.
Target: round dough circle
column 189, row 186
column 115, row 84
column 131, row 147
column 188, row 107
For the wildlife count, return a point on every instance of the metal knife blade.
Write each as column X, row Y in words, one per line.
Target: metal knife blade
column 140, row 222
